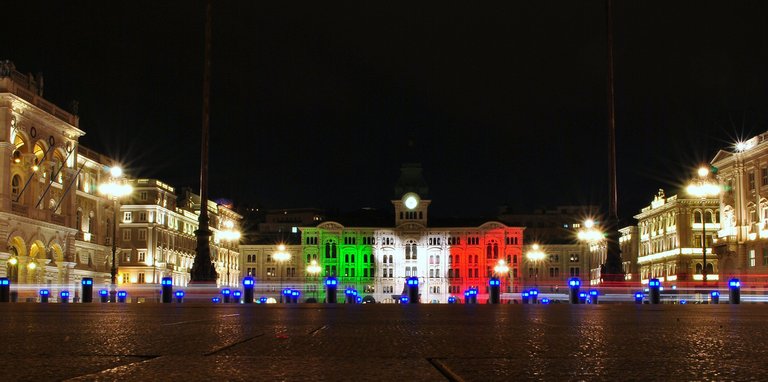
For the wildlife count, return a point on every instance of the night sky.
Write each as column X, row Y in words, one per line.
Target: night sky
column 318, row 104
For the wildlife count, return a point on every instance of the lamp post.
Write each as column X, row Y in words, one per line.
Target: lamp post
column 314, row 269
column 229, row 235
column 281, row 256
column 114, row 189
column 501, row 269
column 535, row 254
column 703, row 188
column 590, row 235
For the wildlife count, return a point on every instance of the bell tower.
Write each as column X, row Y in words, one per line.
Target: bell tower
column 411, row 192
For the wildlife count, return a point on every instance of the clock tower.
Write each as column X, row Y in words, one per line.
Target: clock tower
column 411, row 190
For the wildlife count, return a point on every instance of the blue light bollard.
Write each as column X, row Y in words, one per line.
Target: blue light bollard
column 295, row 296
column 583, row 297
column 104, row 296
column 494, row 286
column 654, row 291
column 451, row 300
column 574, row 284
column 413, row 290
column 473, row 295
column 534, row 295
column 44, row 294
column 467, row 297
column 167, row 290
column 226, row 293
column 179, row 296
column 215, row 300
column 248, row 290
column 331, row 284
column 286, row 295
column 404, row 300
column 262, row 300
column 86, row 286
column 5, row 289
column 734, row 288
column 359, row 300
column 639, row 297
column 236, row 296
column 545, row 301
column 593, row 295
column 122, row 296
column 526, row 297
column 714, row 297
column 64, row 296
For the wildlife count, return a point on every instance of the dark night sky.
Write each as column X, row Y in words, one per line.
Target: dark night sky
column 314, row 104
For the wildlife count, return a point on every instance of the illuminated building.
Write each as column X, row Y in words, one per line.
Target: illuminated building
column 742, row 241
column 670, row 246
column 375, row 259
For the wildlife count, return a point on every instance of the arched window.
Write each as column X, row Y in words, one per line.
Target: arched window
column 488, row 251
column 710, row 268
column 15, row 186
column 79, row 220
column 697, row 216
column 698, row 269
column 708, row 216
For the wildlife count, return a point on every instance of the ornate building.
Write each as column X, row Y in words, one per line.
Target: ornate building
column 742, row 241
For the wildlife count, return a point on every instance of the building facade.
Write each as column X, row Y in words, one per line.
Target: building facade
column 742, row 241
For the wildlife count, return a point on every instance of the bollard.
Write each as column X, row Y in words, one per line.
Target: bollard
column 122, row 296
column 248, row 290
column 734, row 286
column 87, row 289
column 473, row 295
column 358, row 299
column 526, row 296
column 494, row 285
column 348, row 298
column 104, row 295
column 215, row 300
column 44, row 293
column 286, row 295
column 5, row 289
column 167, row 291
column 654, row 291
column 467, row 297
column 330, row 290
column 593, row 294
column 64, row 296
column 295, row 296
column 404, row 300
column 451, row 300
column 236, row 296
column 714, row 297
column 545, row 301
column 534, row 296
column 413, row 290
column 263, row 300
column 179, row 296
column 226, row 293
column 582, row 297
column 639, row 297
column 573, row 290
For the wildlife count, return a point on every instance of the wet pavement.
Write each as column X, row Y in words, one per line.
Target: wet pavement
column 383, row 342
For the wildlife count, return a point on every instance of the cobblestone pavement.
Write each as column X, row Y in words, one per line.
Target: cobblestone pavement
column 383, row 342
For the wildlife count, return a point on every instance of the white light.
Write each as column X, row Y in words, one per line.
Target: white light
column 411, row 202
column 703, row 172
column 116, row 171
column 32, row 266
column 13, row 261
column 589, row 223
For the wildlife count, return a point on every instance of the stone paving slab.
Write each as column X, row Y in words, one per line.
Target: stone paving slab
column 383, row 342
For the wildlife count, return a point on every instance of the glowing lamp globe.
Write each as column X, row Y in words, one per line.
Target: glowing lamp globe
column 411, row 200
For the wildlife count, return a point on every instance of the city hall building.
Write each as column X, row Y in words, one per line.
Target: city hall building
column 377, row 260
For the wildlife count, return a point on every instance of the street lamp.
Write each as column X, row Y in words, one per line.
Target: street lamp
column 535, row 254
column 114, row 189
column 703, row 188
column 501, row 269
column 314, row 269
column 281, row 256
column 229, row 235
column 590, row 234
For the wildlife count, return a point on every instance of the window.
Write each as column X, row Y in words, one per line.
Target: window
column 751, row 180
column 751, row 257
column 574, row 272
column 127, row 235
column 127, row 216
column 142, row 216
column 764, row 176
column 126, row 278
column 142, row 234
column 141, row 278
column 765, row 256
column 143, row 195
column 142, row 256
column 574, row 258
column 554, row 272
column 15, row 186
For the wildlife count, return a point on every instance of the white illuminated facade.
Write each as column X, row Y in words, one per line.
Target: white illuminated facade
column 742, row 245
column 670, row 239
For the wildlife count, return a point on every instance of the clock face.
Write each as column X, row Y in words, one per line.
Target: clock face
column 411, row 200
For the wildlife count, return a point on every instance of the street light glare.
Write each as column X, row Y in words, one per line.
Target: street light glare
column 589, row 223
column 703, row 172
column 116, row 171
